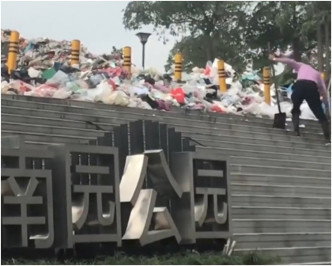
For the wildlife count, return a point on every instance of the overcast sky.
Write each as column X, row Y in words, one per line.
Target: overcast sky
column 97, row 24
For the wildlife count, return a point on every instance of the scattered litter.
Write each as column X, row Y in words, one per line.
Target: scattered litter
column 43, row 70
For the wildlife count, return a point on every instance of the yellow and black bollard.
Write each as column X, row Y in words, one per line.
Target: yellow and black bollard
column 127, row 58
column 13, row 51
column 75, row 52
column 178, row 67
column 266, row 80
column 222, row 76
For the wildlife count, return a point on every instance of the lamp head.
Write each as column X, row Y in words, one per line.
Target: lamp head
column 143, row 37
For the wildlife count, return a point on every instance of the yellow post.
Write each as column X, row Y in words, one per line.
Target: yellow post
column 178, row 67
column 13, row 51
column 127, row 58
column 222, row 75
column 266, row 80
column 75, row 52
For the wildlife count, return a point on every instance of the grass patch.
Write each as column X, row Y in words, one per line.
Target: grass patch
column 179, row 258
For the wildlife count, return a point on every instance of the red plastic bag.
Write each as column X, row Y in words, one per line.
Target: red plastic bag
column 207, row 71
column 112, row 83
column 218, row 109
column 178, row 94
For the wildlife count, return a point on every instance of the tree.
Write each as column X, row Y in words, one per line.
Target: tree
column 318, row 23
column 237, row 31
column 193, row 51
column 290, row 24
column 276, row 23
column 209, row 29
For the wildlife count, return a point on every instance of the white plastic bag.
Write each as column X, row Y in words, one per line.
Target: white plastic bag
column 102, row 90
column 34, row 73
column 116, row 98
column 60, row 78
column 62, row 93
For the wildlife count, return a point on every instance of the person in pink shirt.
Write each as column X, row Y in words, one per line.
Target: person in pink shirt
column 309, row 86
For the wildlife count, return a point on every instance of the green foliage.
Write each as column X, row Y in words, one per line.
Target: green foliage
column 180, row 258
column 234, row 31
column 208, row 29
column 255, row 258
column 194, row 53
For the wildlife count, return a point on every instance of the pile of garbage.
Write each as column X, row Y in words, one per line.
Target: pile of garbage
column 44, row 70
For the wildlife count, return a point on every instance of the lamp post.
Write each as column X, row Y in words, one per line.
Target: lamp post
column 143, row 37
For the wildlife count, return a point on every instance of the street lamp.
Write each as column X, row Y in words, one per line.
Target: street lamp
column 143, row 37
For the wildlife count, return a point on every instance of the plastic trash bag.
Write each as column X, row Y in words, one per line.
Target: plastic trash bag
column 101, row 92
column 142, row 104
column 133, row 102
column 217, row 107
column 163, row 105
column 253, row 108
column 116, row 98
column 5, row 88
column 34, row 73
column 17, row 86
column 178, row 95
column 62, row 93
column 268, row 110
column 227, row 100
column 138, row 90
column 44, row 90
column 96, row 79
column 60, row 78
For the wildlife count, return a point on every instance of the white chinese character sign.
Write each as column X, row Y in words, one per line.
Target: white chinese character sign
column 89, row 207
column 150, row 186
column 27, row 197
